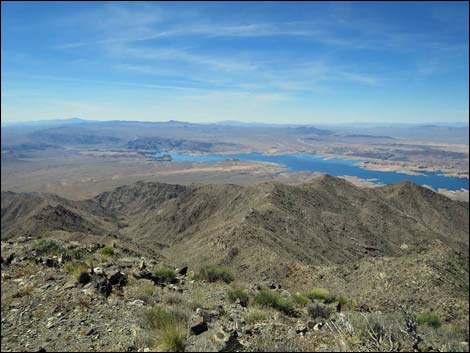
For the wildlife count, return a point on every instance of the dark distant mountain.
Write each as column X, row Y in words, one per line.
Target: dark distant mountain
column 370, row 136
column 310, row 130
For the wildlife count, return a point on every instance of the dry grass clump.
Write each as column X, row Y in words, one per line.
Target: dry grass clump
column 215, row 273
column 168, row 327
column 238, row 294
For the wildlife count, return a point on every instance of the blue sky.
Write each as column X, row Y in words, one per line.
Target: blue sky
column 294, row 62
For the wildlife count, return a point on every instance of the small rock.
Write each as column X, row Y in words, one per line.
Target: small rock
column 51, row 263
column 137, row 302
column 119, row 279
column 318, row 326
column 197, row 325
column 98, row 270
column 102, row 285
column 50, row 323
column 183, row 271
column 301, row 328
column 70, row 285
column 142, row 265
column 10, row 259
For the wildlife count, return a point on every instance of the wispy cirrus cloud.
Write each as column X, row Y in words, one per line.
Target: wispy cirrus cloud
column 304, row 54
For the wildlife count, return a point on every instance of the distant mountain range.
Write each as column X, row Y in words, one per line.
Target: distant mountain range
column 77, row 120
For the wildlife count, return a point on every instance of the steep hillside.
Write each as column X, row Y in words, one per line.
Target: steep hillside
column 327, row 221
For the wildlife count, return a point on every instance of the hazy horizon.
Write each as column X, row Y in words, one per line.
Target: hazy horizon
column 271, row 63
column 235, row 122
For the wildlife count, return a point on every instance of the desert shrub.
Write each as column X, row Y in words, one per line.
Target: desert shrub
column 107, row 251
column 429, row 319
column 256, row 315
column 265, row 342
column 78, row 270
column 159, row 318
column 300, row 299
column 319, row 294
column 269, row 298
column 240, row 294
column 340, row 299
column 172, row 338
column 318, row 311
column 146, row 293
column 47, row 247
column 169, row 327
column 173, row 298
column 166, row 275
column 198, row 298
column 74, row 254
column 215, row 273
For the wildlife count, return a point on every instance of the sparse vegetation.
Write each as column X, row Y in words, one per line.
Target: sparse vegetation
column 215, row 273
column 197, row 299
column 239, row 294
column 173, row 298
column 342, row 300
column 107, row 251
column 318, row 311
column 172, row 338
column 47, row 247
column 300, row 299
column 169, row 327
column 165, row 274
column 319, row 294
column 269, row 298
column 146, row 293
column 159, row 318
column 429, row 319
column 78, row 270
column 256, row 315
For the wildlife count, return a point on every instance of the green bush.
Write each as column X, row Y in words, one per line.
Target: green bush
column 166, row 275
column 319, row 294
column 269, row 298
column 430, row 319
column 215, row 273
column 300, row 299
column 340, row 299
column 47, row 247
column 240, row 294
column 107, row 251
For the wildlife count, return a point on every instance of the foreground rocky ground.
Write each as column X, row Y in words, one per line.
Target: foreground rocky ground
column 67, row 296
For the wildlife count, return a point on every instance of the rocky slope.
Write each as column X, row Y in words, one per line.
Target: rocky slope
column 387, row 250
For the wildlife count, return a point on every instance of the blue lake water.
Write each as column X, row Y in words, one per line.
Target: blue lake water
column 299, row 162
